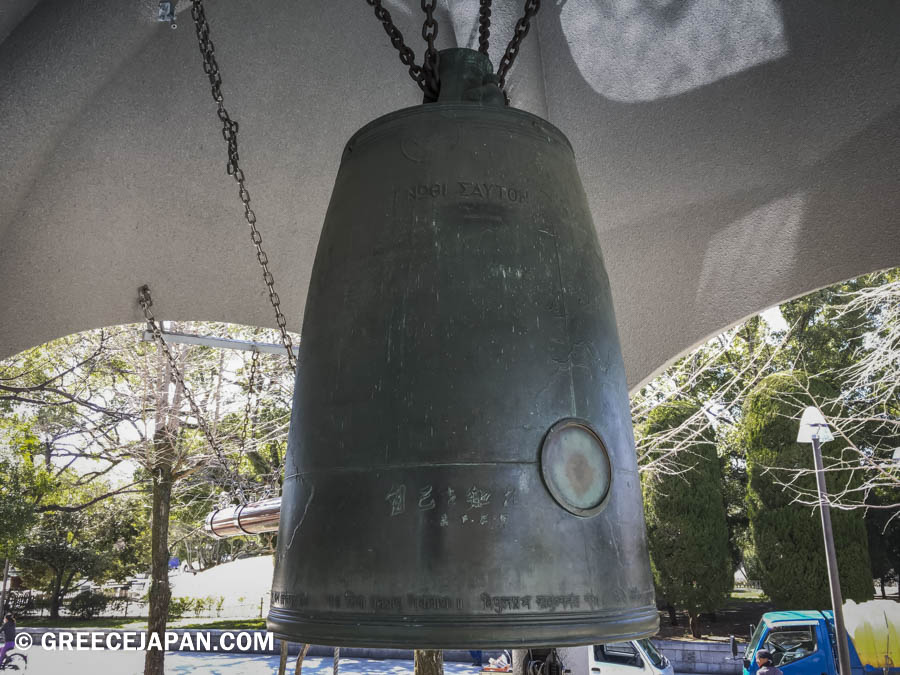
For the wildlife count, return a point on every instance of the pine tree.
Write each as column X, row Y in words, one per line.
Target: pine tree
column 686, row 527
column 788, row 535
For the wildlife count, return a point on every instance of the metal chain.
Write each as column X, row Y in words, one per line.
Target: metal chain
column 229, row 133
column 519, row 33
column 407, row 56
column 146, row 303
column 431, row 59
column 484, row 25
column 254, row 365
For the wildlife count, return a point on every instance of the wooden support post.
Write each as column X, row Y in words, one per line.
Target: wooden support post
column 282, row 666
column 429, row 662
column 302, row 655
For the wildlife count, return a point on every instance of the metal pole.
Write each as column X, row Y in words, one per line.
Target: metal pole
column 335, row 667
column 834, row 583
column 3, row 589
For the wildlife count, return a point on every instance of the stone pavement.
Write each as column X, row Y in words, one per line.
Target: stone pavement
column 42, row 662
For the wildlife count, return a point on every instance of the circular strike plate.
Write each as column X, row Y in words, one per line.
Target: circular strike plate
column 575, row 467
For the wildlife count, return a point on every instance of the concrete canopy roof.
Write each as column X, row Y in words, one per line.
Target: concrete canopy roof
column 734, row 154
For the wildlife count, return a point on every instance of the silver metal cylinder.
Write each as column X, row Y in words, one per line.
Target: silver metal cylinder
column 247, row 519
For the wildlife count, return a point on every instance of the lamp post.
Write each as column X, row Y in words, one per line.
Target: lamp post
column 814, row 429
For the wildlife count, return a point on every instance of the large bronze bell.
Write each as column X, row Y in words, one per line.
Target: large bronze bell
column 461, row 468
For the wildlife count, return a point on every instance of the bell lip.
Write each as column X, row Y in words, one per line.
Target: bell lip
column 461, row 632
column 441, row 109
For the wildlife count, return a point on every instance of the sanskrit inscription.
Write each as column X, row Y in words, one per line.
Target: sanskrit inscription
column 505, row 603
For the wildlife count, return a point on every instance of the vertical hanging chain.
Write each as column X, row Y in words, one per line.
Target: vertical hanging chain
column 521, row 30
column 484, row 25
column 229, row 133
column 248, row 408
column 430, row 61
column 407, row 56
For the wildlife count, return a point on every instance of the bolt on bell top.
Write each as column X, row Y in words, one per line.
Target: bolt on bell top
column 461, row 468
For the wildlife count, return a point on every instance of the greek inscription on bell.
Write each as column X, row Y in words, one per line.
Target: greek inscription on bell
column 422, row 191
column 491, row 191
column 397, row 499
column 463, row 188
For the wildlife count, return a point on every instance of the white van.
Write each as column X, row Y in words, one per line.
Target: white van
column 636, row 657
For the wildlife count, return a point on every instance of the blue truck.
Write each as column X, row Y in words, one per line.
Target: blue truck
column 803, row 643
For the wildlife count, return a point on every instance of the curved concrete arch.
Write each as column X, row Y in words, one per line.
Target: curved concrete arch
column 763, row 164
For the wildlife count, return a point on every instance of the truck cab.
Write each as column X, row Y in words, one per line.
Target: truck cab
column 801, row 643
column 635, row 657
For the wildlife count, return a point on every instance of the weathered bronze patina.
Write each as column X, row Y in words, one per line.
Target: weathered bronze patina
column 461, row 467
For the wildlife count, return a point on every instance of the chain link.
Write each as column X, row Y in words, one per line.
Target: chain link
column 407, row 56
column 484, row 25
column 521, row 30
column 254, row 365
column 431, row 59
column 146, row 303
column 229, row 133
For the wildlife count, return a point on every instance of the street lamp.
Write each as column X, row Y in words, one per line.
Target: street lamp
column 814, row 429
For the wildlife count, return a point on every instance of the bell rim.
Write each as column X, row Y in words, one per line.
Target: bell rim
column 369, row 131
column 403, row 631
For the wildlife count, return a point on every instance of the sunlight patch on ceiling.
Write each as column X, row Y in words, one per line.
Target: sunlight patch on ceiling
column 643, row 50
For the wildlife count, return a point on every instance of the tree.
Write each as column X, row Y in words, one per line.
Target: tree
column 883, row 530
column 687, row 531
column 864, row 411
column 103, row 401
column 23, row 483
column 103, row 542
column 788, row 535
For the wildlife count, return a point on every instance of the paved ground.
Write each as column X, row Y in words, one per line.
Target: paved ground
column 131, row 663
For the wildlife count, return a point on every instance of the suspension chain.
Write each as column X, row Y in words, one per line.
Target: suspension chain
column 229, row 133
column 248, row 408
column 484, row 25
column 430, row 63
column 407, row 56
column 146, row 303
column 426, row 75
column 523, row 25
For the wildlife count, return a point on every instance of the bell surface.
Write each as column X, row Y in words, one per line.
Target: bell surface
column 461, row 469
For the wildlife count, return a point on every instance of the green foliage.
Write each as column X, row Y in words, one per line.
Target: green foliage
column 883, row 529
column 180, row 606
column 788, row 536
column 23, row 482
column 686, row 526
column 105, row 541
column 88, row 604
